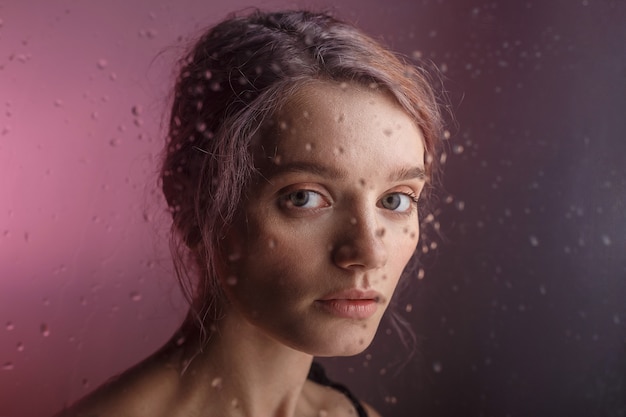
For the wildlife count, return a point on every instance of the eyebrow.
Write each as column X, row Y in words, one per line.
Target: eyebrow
column 409, row 173
column 402, row 174
column 307, row 167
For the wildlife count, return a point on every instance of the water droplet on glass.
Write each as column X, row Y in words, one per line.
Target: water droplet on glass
column 10, row 326
column 437, row 367
column 380, row 232
column 534, row 241
column 446, row 134
column 408, row 308
column 58, row 103
column 135, row 296
column 234, row 403
column 20, row 347
column 234, row 256
column 216, row 383
column 606, row 240
column 322, row 413
column 616, row 319
column 45, row 331
column 231, row 280
column 114, row 142
column 542, row 290
column 271, row 243
column 420, row 273
column 113, row 76
column 102, row 63
column 457, row 149
column 8, row 366
column 136, row 110
column 308, row 146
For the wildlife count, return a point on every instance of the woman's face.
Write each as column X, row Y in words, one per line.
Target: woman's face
column 317, row 252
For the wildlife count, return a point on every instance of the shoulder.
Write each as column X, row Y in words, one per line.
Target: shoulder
column 146, row 389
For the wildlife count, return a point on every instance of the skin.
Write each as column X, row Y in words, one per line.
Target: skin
column 333, row 209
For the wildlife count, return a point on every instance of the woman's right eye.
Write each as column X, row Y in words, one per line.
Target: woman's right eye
column 303, row 199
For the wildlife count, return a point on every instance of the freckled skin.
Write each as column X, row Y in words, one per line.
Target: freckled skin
column 345, row 238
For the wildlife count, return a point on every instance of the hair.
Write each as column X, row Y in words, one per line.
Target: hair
column 231, row 83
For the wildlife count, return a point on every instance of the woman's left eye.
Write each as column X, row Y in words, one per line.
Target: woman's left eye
column 303, row 199
column 398, row 202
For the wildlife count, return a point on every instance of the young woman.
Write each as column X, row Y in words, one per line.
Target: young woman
column 298, row 149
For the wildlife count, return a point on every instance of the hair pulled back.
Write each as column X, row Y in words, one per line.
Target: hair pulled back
column 231, row 83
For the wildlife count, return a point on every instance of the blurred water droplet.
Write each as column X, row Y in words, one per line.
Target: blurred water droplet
column 421, row 273
column 217, row 383
column 20, row 347
column 322, row 413
column 136, row 110
column 102, row 63
column 446, row 134
column 231, row 280
column 10, row 326
column 58, row 103
column 616, row 319
column 606, row 240
column 437, row 367
column 114, row 142
column 135, row 296
column 234, row 256
column 409, row 308
column 113, row 76
column 8, row 366
column 460, row 205
column 234, row 403
column 534, row 241
column 181, row 341
column 271, row 243
column 45, row 331
column 542, row 290
column 417, row 54
column 308, row 146
column 458, row 149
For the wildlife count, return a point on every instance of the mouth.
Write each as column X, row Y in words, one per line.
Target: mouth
column 351, row 304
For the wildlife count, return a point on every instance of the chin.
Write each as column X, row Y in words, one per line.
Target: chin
column 345, row 344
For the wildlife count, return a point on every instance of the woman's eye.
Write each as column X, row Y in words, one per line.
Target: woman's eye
column 305, row 199
column 399, row 202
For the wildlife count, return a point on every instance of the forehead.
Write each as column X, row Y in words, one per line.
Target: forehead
column 328, row 119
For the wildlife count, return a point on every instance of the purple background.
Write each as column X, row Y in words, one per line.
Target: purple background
column 522, row 308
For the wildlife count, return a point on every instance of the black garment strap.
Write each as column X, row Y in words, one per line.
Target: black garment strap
column 318, row 374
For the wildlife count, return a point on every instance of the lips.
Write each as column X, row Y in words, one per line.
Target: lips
column 351, row 304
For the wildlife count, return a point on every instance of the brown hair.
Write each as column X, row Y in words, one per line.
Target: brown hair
column 232, row 82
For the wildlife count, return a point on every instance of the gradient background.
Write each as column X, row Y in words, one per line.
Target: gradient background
column 522, row 309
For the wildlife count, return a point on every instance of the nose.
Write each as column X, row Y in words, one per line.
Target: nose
column 360, row 245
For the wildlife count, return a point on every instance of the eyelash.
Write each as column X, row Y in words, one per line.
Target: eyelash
column 285, row 201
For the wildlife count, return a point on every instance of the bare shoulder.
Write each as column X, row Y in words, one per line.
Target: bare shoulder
column 144, row 390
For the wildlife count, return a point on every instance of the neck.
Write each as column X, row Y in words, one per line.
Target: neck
column 241, row 371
